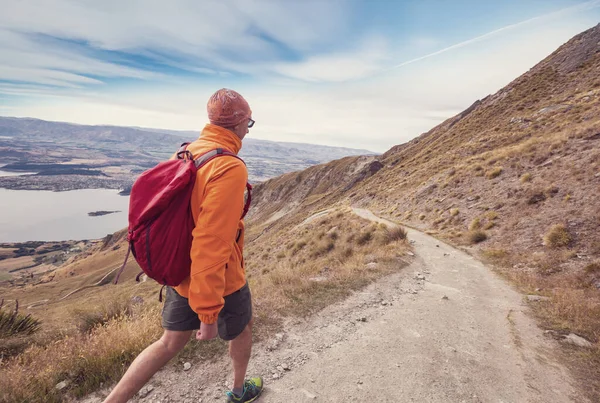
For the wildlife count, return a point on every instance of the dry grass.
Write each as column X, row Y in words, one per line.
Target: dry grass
column 88, row 319
column 493, row 173
column 85, row 360
column 394, row 234
column 475, row 224
column 526, row 177
column 574, row 307
column 558, row 236
column 593, row 268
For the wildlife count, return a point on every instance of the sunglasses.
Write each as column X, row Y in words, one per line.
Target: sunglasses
column 250, row 123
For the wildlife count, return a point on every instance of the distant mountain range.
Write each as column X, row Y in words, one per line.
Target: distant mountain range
column 26, row 141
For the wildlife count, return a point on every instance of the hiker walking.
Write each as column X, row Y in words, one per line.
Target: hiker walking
column 214, row 296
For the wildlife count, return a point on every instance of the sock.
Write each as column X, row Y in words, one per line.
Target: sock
column 238, row 391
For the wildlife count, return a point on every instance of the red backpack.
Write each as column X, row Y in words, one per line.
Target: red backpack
column 160, row 218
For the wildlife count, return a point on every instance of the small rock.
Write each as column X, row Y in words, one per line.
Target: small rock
column 187, row 366
column 309, row 395
column 385, row 303
column 446, row 254
column 537, row 298
column 437, row 246
column 285, row 367
column 62, row 385
column 410, row 253
column 420, row 277
column 538, row 289
column 276, row 376
column 577, row 340
column 280, row 368
column 413, row 291
column 445, row 297
column 360, row 382
column 279, row 336
column 145, row 391
column 361, row 319
column 371, row 265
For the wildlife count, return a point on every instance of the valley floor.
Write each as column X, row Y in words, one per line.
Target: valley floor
column 446, row 329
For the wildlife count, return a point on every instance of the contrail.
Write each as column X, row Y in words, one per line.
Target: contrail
column 583, row 6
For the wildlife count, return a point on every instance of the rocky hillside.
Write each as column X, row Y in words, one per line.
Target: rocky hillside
column 519, row 162
column 514, row 179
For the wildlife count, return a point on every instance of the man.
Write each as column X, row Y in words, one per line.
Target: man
column 215, row 297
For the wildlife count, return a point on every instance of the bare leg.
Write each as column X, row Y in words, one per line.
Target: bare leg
column 239, row 351
column 153, row 358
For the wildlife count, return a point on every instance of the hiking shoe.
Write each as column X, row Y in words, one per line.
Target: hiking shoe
column 253, row 387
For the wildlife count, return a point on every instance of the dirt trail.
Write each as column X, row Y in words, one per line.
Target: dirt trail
column 446, row 329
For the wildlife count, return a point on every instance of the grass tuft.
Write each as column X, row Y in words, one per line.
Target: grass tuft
column 558, row 236
column 12, row 322
column 493, row 173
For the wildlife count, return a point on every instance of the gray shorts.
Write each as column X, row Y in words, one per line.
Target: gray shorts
column 233, row 318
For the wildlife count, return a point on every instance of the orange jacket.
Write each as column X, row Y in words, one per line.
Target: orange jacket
column 218, row 238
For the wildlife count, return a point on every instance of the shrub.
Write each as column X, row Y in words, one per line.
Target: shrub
column 495, row 254
column 394, row 234
column 421, row 217
column 13, row 323
column 494, row 173
column 364, row 238
column 323, row 248
column 454, row 212
column 536, row 197
column 557, row 236
column 475, row 224
column 477, row 236
column 491, row 215
column 592, row 268
column 489, row 225
column 298, row 246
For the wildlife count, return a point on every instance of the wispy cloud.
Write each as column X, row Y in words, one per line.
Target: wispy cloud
column 314, row 71
column 92, row 37
column 338, row 67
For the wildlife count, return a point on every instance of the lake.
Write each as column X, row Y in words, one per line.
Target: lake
column 37, row 215
column 8, row 173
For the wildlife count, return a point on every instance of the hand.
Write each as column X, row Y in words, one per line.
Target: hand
column 207, row 332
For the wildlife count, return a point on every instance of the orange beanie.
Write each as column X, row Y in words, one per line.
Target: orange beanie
column 227, row 108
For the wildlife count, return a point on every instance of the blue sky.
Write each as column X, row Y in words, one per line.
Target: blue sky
column 367, row 74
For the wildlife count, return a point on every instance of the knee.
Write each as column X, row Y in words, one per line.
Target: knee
column 173, row 341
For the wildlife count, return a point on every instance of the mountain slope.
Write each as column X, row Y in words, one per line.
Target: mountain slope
column 515, row 179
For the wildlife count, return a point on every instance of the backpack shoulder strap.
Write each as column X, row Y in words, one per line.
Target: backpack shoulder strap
column 219, row 152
